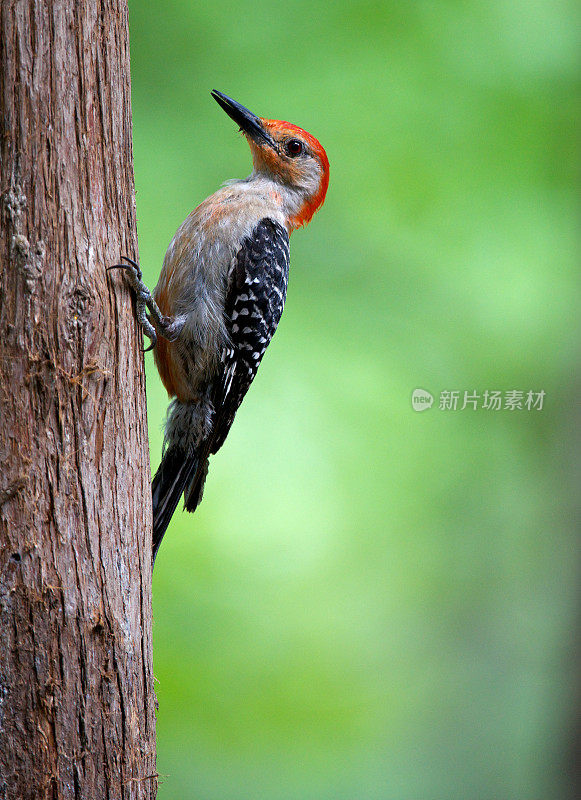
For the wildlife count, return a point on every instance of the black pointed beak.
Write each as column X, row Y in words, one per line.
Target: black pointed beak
column 249, row 123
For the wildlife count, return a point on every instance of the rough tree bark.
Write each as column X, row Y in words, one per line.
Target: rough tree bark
column 76, row 691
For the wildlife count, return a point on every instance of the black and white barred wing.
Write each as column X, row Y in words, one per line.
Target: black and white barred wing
column 254, row 305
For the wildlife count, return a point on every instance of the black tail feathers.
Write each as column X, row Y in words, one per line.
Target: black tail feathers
column 195, row 489
column 167, row 487
column 177, row 473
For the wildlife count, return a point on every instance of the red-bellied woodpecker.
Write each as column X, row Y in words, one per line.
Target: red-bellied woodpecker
column 220, row 297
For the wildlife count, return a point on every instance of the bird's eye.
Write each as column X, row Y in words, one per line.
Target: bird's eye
column 294, row 147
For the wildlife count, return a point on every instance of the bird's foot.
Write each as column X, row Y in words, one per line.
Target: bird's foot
column 167, row 327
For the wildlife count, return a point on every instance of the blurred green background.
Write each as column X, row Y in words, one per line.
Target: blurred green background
column 373, row 602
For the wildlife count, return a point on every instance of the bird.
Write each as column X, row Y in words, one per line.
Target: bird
column 220, row 297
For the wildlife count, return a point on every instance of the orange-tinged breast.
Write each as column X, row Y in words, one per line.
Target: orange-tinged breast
column 162, row 351
column 163, row 361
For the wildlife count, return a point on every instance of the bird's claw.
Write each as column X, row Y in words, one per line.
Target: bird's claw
column 133, row 264
column 167, row 327
column 143, row 299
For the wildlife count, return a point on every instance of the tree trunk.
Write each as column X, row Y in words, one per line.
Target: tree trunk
column 76, row 682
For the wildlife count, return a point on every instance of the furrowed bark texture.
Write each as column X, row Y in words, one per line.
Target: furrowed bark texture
column 76, row 682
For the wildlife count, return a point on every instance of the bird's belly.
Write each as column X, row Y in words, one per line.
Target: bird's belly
column 185, row 368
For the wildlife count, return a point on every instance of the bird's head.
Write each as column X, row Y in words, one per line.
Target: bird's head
column 288, row 155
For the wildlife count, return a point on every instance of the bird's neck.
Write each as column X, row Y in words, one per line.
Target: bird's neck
column 295, row 203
